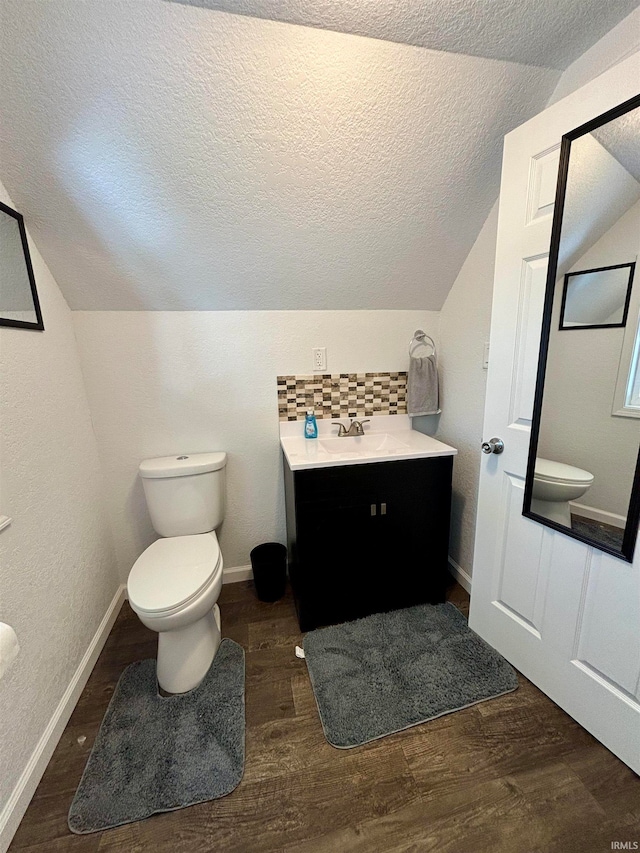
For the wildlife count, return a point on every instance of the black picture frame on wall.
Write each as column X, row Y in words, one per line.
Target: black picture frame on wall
column 38, row 324
column 630, row 534
column 625, row 310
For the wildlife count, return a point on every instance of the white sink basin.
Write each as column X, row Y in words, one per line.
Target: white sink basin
column 387, row 438
column 362, row 443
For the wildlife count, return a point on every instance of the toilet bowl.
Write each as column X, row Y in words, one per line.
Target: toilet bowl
column 175, row 583
column 173, row 587
column 555, row 484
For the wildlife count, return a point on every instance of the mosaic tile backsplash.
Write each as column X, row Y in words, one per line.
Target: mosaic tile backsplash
column 336, row 395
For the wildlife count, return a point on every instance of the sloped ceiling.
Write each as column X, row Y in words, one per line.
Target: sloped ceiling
column 168, row 157
column 620, row 138
column 551, row 33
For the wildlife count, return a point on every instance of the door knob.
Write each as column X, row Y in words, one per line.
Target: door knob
column 494, row 445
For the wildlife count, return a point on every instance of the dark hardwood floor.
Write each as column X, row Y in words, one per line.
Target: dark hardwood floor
column 513, row 775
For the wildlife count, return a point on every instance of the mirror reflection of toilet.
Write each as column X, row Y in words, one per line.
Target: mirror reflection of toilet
column 555, row 484
column 174, row 585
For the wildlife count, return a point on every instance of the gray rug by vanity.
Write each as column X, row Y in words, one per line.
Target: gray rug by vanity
column 390, row 671
column 156, row 754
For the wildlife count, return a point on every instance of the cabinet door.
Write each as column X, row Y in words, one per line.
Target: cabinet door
column 336, row 540
column 414, row 529
column 333, row 549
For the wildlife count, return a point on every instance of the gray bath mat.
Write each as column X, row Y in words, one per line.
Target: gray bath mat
column 391, row 671
column 156, row 754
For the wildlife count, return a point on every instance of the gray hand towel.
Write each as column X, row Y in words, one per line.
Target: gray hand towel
column 422, row 387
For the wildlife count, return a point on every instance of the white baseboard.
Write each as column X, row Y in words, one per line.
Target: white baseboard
column 233, row 574
column 460, row 575
column 600, row 515
column 16, row 806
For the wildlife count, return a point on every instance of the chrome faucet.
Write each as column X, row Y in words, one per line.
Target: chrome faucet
column 355, row 428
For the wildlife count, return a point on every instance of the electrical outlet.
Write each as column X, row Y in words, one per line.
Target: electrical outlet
column 319, row 358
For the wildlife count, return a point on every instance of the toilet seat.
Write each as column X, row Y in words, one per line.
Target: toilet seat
column 173, row 572
column 549, row 471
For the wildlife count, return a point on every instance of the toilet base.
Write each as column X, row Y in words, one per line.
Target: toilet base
column 185, row 654
column 558, row 511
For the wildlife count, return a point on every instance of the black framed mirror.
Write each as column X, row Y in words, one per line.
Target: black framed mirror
column 19, row 304
column 596, row 299
column 583, row 473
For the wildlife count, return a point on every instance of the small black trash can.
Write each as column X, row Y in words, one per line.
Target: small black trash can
column 269, row 564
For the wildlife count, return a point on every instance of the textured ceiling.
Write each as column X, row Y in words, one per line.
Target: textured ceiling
column 551, row 33
column 620, row 138
column 600, row 192
column 168, row 157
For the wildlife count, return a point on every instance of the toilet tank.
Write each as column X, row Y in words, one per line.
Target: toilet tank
column 185, row 494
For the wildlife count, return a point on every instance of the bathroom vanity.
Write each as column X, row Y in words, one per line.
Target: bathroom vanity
column 367, row 521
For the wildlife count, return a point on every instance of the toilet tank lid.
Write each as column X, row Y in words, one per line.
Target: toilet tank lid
column 182, row 465
column 547, row 469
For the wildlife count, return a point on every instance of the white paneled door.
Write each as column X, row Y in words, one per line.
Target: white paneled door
column 564, row 614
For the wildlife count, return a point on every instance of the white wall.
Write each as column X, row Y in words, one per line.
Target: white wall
column 577, row 426
column 57, row 566
column 464, row 327
column 474, row 286
column 619, row 43
column 589, row 215
column 161, row 383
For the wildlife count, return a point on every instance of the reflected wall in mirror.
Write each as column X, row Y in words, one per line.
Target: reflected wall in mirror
column 596, row 298
column 19, row 305
column 583, row 476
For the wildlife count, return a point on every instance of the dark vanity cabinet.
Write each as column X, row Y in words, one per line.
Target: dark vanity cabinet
column 367, row 538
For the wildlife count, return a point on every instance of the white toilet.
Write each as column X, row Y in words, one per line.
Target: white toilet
column 554, row 485
column 174, row 585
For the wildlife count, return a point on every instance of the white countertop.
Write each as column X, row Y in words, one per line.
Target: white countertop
column 387, row 438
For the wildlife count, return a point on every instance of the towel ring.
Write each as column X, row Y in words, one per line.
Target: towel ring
column 419, row 339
